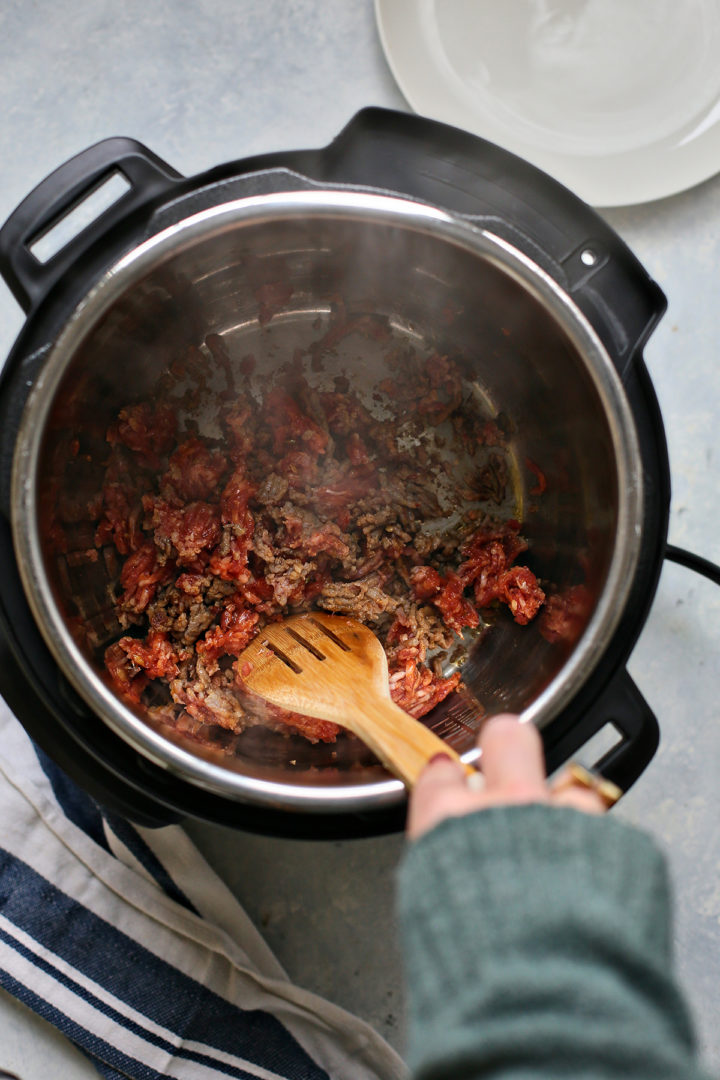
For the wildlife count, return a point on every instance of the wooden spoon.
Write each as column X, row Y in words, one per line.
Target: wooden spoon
column 334, row 668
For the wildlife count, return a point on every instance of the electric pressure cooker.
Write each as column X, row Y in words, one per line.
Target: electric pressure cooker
column 407, row 218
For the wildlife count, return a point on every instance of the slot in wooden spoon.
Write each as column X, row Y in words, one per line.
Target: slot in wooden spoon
column 334, row 668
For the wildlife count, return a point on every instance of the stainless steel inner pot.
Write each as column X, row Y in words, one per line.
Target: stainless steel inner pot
column 442, row 284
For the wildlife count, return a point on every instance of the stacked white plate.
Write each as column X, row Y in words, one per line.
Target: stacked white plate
column 618, row 99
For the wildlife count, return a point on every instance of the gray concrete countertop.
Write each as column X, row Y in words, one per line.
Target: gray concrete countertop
column 205, row 82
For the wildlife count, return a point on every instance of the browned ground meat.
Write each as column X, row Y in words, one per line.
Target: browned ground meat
column 305, row 500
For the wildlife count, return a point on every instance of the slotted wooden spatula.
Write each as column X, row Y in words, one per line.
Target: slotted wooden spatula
column 334, row 668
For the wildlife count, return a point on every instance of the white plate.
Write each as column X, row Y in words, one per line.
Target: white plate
column 617, row 99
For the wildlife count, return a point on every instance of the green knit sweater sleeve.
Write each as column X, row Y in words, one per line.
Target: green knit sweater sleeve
column 537, row 945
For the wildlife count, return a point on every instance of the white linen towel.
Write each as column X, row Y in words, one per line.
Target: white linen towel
column 127, row 941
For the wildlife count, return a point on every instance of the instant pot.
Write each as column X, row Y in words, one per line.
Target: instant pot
column 451, row 240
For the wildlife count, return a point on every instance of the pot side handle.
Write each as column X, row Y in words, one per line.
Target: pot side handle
column 145, row 176
column 622, row 705
column 496, row 190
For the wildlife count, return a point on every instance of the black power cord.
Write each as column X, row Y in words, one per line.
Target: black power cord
column 693, row 562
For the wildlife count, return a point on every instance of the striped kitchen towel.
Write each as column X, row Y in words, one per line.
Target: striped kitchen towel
column 128, row 943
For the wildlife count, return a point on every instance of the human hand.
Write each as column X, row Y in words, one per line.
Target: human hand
column 513, row 770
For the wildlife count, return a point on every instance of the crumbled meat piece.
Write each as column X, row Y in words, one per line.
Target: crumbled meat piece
column 521, row 593
column 234, row 632
column 121, row 519
column 183, row 532
column 186, row 608
column 272, row 490
column 210, row 696
column 426, row 582
column 364, row 600
column 291, row 427
column 488, row 569
column 194, row 471
column 447, row 593
column 148, row 431
column 346, row 416
column 416, row 630
column 141, row 574
column 237, row 420
column 133, row 663
column 290, row 579
column 457, row 611
column 417, row 690
column 304, row 532
column 566, row 613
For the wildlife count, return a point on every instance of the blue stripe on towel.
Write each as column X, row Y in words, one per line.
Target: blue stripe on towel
column 147, row 858
column 75, row 804
column 170, row 1048
column 84, row 812
column 91, row 1044
column 142, row 980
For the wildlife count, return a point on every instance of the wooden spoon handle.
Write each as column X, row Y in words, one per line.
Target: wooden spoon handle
column 403, row 744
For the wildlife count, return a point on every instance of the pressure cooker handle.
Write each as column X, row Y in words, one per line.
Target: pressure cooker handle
column 145, row 175
column 621, row 705
column 508, row 196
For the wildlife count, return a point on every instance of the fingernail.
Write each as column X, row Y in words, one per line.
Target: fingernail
column 439, row 757
column 475, row 781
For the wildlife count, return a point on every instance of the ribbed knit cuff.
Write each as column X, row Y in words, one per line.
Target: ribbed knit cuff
column 492, row 887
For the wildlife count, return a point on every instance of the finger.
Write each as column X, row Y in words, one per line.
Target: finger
column 512, row 759
column 441, row 772
column 439, row 792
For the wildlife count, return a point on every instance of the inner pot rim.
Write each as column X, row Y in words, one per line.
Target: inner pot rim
column 368, row 208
